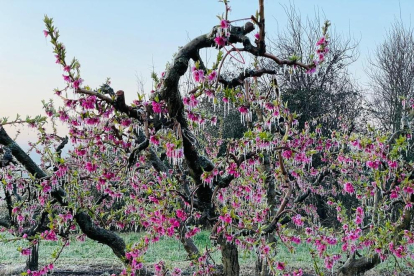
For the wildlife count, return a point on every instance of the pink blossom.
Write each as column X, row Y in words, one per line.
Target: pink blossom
column 154, row 139
column 66, row 68
column 280, row 266
column 156, row 107
column 408, row 190
column 198, row 75
column 212, row 76
column 126, row 122
column 66, row 78
column 80, row 152
column 257, row 36
column 91, row 167
column 46, row 33
column 181, row 214
column 297, row 220
column 298, row 272
column 321, row 41
column 224, row 24
column 77, row 83
column 360, row 211
column 287, row 154
column 226, row 218
column 220, row 41
column 26, row 251
column 266, row 250
column 349, row 188
column 176, row 272
column 373, row 164
column 311, row 70
column 243, row 109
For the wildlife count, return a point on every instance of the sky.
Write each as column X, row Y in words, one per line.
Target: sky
column 125, row 39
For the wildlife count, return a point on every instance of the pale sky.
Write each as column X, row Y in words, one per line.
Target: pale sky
column 123, row 39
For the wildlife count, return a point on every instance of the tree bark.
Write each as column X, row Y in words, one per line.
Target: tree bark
column 355, row 267
column 230, row 259
column 32, row 261
column 261, row 268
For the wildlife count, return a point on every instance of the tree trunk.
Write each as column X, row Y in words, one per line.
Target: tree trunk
column 355, row 267
column 230, row 258
column 32, row 262
column 261, row 268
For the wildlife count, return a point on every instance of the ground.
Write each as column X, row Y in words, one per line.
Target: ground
column 90, row 258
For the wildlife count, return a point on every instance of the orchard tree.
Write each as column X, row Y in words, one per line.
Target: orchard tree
column 391, row 73
column 140, row 166
column 330, row 92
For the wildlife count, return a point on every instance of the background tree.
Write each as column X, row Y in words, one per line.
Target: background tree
column 330, row 93
column 391, row 73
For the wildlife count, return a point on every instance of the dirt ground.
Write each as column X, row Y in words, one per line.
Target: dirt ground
column 105, row 270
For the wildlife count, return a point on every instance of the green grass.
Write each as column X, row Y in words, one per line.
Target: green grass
column 167, row 249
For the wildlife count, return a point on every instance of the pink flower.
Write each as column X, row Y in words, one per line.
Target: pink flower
column 212, row 76
column 349, row 188
column 77, row 83
column 80, row 152
column 66, row 68
column 220, row 41
column 280, row 266
column 26, row 251
column 176, row 272
column 193, row 100
column 360, row 211
column 156, row 107
column 408, row 190
column 154, row 140
column 297, row 220
column 311, row 70
column 266, row 250
column 126, row 122
column 257, row 36
column 198, row 75
column 224, row 24
column 91, row 167
column 181, row 214
column 373, row 164
column 298, row 272
column 46, row 33
column 226, row 218
column 287, row 154
column 321, row 41
column 243, row 109
column 89, row 102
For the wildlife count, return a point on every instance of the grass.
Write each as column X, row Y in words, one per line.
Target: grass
column 167, row 249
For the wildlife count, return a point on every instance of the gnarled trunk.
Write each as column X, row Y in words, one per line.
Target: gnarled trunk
column 230, row 259
column 32, row 261
column 261, row 268
column 354, row 267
